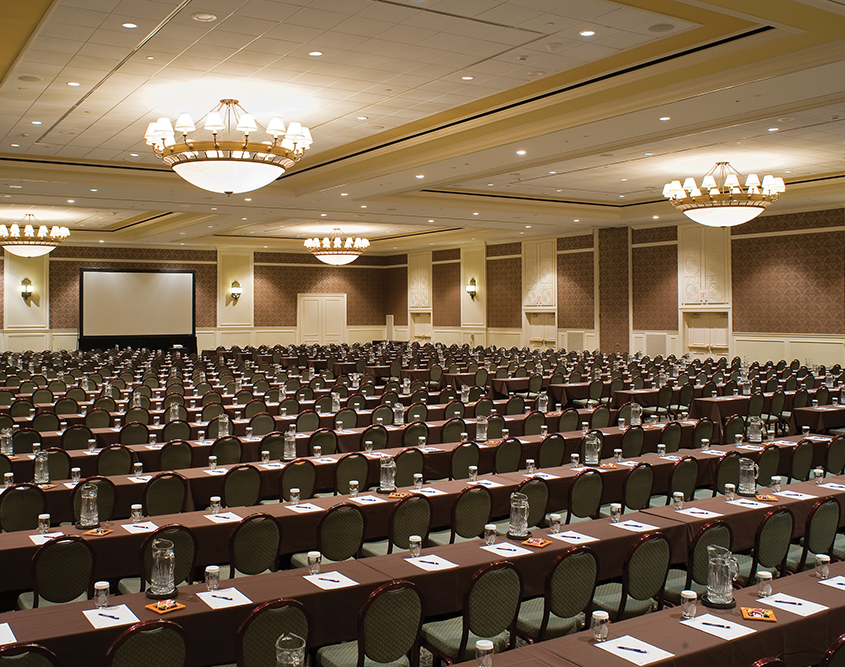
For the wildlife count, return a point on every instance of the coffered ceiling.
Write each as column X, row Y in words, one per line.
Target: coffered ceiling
column 435, row 122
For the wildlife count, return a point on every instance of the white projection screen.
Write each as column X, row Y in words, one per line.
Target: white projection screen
column 136, row 303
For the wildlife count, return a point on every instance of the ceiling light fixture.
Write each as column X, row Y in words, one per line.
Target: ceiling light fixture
column 22, row 239
column 73, row 84
column 587, row 33
column 315, row 54
column 723, row 202
column 337, row 248
column 130, row 26
column 234, row 164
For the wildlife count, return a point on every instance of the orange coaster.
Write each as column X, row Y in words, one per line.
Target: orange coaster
column 164, row 606
column 757, row 614
column 46, row 486
column 608, row 465
column 399, row 494
column 767, row 496
column 538, row 542
column 98, row 532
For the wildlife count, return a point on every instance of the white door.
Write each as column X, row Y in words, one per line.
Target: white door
column 542, row 330
column 421, row 326
column 707, row 332
column 321, row 318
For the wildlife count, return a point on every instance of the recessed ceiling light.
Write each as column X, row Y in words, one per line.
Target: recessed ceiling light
column 243, row 218
column 527, row 226
column 655, row 217
column 467, row 78
column 363, row 206
column 621, row 196
column 431, row 220
column 788, row 171
column 522, row 232
column 520, row 152
column 93, row 190
column 204, row 17
column 71, row 201
column 648, row 154
column 476, row 213
column 323, row 215
column 665, row 118
column 420, row 175
column 363, row 118
column 101, row 241
column 558, row 190
column 576, row 220
column 150, row 58
column 16, row 187
column 552, row 172
column 344, row 194
column 623, row 179
column 16, row 145
column 130, row 26
column 587, row 33
column 489, row 185
column 248, row 199
column 133, row 155
column 315, row 54
column 36, row 122
column 73, row 84
column 213, row 209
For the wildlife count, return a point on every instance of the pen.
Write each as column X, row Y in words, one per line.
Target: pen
column 631, row 648
column 698, row 512
column 716, row 625
column 797, row 604
column 116, row 618
column 430, row 562
column 220, row 597
column 336, row 581
column 504, row 548
column 634, row 525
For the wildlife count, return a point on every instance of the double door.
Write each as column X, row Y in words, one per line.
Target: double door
column 321, row 318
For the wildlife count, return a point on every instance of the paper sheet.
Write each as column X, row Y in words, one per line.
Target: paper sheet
column 634, row 526
column 109, row 617
column 145, row 527
column 634, row 650
column 834, row 582
column 719, row 627
column 791, row 604
column 541, row 475
column 571, row 537
column 751, row 504
column 218, row 599
column 41, row 539
column 141, row 479
column 431, row 563
column 429, row 491
column 700, row 513
column 223, row 517
column 833, row 485
column 6, row 634
column 795, row 494
column 489, row 483
column 216, row 471
column 506, row 550
column 329, row 580
column 302, row 508
column 367, row 500
column 273, row 465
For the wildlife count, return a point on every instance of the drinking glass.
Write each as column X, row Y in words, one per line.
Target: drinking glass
column 353, row 488
column 544, row 430
column 117, row 423
column 529, row 466
column 506, row 433
column 248, row 432
column 815, row 403
column 138, row 468
column 314, row 560
column 212, row 577
column 265, row 456
column 464, row 436
column 473, row 473
column 201, row 436
column 818, row 475
column 661, row 449
column 599, row 623
column 215, row 504
column 688, row 599
column 620, row 423
column 75, row 475
column 730, row 491
column 617, row 455
column 484, row 653
column 585, row 427
column 418, row 480
column 574, row 460
column 678, row 500
column 212, row 462
column 822, row 566
column 8, row 479
column 43, row 523
column 805, row 431
column 764, row 583
column 414, row 546
column 705, row 444
column 490, row 533
column 318, row 451
column 421, row 441
column 137, row 513
column 368, row 446
column 615, row 512
column 776, row 479
column 153, row 439
column 92, row 445
column 737, row 439
column 554, row 523
column 294, row 496
column 101, row 594
column 290, row 651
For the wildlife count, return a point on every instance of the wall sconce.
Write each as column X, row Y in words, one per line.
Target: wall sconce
column 26, row 289
column 471, row 290
column 237, row 290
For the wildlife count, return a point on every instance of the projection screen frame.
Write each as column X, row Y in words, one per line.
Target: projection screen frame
column 188, row 341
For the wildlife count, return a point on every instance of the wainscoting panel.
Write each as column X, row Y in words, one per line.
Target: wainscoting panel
column 505, row 337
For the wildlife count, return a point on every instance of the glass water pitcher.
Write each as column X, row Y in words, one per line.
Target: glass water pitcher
column 518, row 525
column 721, row 573
column 748, row 471
column 387, row 478
column 89, row 514
column 162, row 583
column 592, row 449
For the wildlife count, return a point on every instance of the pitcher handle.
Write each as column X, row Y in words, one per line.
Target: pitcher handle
column 733, row 567
column 756, row 471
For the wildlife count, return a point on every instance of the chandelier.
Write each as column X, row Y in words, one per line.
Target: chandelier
column 721, row 201
column 228, row 163
column 337, row 248
column 22, row 239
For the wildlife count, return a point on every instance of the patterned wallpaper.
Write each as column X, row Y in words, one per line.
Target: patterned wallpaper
column 445, row 255
column 131, row 254
column 446, row 294
column 613, row 289
column 575, row 242
column 789, row 284
column 504, row 249
column 654, row 277
column 396, row 294
column 392, row 260
column 276, row 288
column 791, row 222
column 575, row 290
column 654, row 235
column 64, row 285
column 2, row 295
column 504, row 291
column 310, row 260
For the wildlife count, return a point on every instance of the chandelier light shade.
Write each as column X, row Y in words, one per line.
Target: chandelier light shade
column 337, row 248
column 29, row 238
column 228, row 155
column 722, row 201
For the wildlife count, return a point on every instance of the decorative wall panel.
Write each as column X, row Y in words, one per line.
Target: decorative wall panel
column 504, row 292
column 446, row 292
column 704, row 264
column 654, row 275
column 539, row 275
column 613, row 289
column 419, row 281
column 576, row 291
column 396, row 294
column 582, row 242
column 768, row 223
column 789, row 284
column 654, row 235
column 504, row 249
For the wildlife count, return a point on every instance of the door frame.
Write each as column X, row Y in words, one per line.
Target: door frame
column 300, row 296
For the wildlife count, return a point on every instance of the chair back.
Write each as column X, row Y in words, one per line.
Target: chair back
column 227, row 450
column 734, row 426
column 684, row 478
column 114, row 460
column 533, row 422
column 585, row 495
column 408, row 462
column 134, row 433
column 470, row 512
column 184, row 549
column 63, row 570
column 165, row 493
column 345, row 419
column 768, row 465
column 802, row 461
column 257, row 635
column 834, row 460
column 452, row 430
column 637, row 488
column 351, row 466
column 632, row 442
column 773, row 537
column 324, row 438
column 375, row 433
column 537, row 491
column 389, row 624
column 645, row 570
column 820, row 529
column 570, row 585
column 508, row 455
column 307, row 421
column 717, row 533
column 27, row 655
column 727, row 472
column 241, row 486
column 161, row 643
column 106, row 495
column 463, row 456
column 551, row 452
column 340, row 533
column 254, row 545
column 569, row 421
column 298, row 474
column 491, row 602
column 97, row 418
column 410, row 516
column 262, row 423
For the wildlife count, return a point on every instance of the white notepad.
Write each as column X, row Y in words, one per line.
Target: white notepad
column 752, row 504
column 41, row 539
column 697, row 512
column 224, row 597
column 634, row 650
column 506, row 550
column 6, row 634
column 431, row 563
column 634, row 526
column 834, row 582
column 330, row 580
column 795, row 495
column 302, row 508
column 367, row 500
column 571, row 537
column 223, row 517
column 140, row 479
column 489, row 483
column 792, row 604
column 718, row 627
column 145, row 527
column 429, row 491
column 109, row 617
